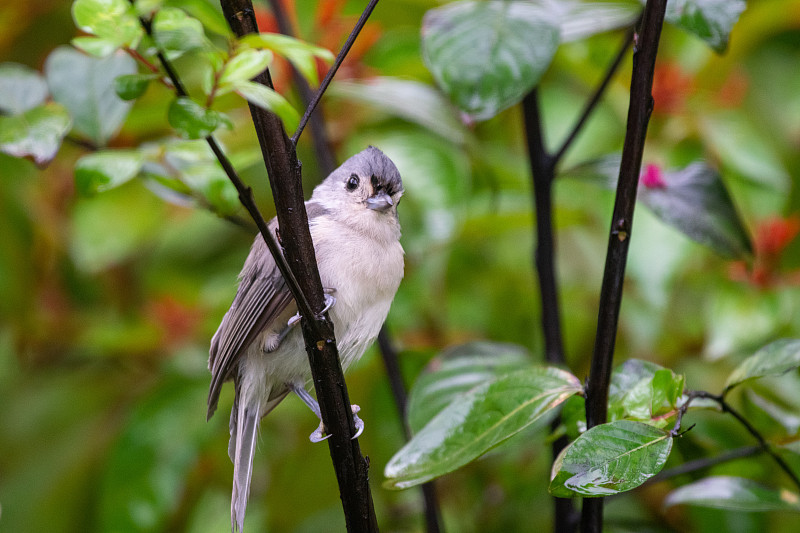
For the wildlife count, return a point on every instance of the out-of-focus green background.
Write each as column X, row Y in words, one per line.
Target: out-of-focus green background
column 108, row 303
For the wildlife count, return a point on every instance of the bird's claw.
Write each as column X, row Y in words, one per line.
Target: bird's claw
column 319, row 433
column 357, row 421
column 330, row 301
column 317, row 436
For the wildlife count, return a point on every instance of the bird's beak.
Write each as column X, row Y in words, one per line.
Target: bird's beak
column 380, row 202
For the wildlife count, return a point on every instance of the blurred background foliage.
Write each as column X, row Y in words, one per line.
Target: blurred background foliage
column 108, row 302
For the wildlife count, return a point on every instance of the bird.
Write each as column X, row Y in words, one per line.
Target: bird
column 354, row 226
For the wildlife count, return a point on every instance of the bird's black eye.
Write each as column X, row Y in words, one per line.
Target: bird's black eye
column 352, row 183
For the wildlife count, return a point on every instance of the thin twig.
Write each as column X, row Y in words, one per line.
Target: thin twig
column 332, row 71
column 641, row 105
column 705, row 463
column 595, row 99
column 726, row 408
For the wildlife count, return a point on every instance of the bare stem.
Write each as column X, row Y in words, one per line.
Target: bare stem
column 641, row 105
column 332, row 71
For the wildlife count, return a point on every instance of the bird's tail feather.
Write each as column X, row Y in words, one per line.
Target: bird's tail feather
column 244, row 432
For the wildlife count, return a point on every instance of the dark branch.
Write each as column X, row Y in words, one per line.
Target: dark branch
column 762, row 442
column 595, row 99
column 641, row 105
column 285, row 179
column 705, row 463
column 332, row 71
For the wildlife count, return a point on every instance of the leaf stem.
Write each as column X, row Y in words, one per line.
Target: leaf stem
column 362, row 20
column 641, row 105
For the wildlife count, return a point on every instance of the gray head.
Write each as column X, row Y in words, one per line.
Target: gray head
column 366, row 186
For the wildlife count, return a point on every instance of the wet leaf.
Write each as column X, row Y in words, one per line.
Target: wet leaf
column 21, row 88
column 774, row 359
column 456, row 371
column 132, row 86
column 96, row 110
column 481, row 419
column 176, row 33
column 37, row 132
column 104, row 170
column 696, row 201
column 735, row 494
column 609, row 459
column 711, row 20
column 244, row 66
column 487, row 55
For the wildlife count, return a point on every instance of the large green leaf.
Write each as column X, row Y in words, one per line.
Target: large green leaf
column 696, row 201
column 113, row 21
column 487, row 55
column 85, row 86
column 609, row 459
column 455, row 372
column 107, row 169
column 244, row 66
column 735, row 494
column 478, row 421
column 642, row 390
column 711, row 20
column 21, row 88
column 303, row 55
column 37, row 132
column 773, row 359
column 411, row 100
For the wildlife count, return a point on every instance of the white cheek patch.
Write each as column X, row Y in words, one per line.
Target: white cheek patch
column 271, row 341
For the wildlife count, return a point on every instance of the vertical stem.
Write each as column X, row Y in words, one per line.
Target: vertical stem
column 543, row 168
column 641, row 105
column 352, row 469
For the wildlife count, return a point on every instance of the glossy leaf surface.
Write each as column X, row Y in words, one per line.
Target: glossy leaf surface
column 303, row 55
column 773, row 359
column 609, row 459
column 711, row 20
column 735, row 494
column 478, row 421
column 264, row 97
column 455, row 372
column 37, row 132
column 113, row 21
column 487, row 55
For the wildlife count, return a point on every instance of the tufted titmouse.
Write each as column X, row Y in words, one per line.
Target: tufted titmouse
column 353, row 221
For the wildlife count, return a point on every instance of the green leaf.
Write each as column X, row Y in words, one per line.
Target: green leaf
column 696, row 201
column 114, row 21
column 774, row 359
column 132, row 86
column 211, row 182
column 481, row 419
column 208, row 12
column 191, row 120
column 580, row 20
column 609, row 459
column 21, row 88
column 487, row 55
column 268, row 99
column 244, row 66
column 411, row 100
column 456, row 371
column 303, row 55
column 603, row 171
column 104, row 170
column 734, row 494
column 176, row 33
column 95, row 46
column 711, row 20
column 642, row 390
column 37, row 132
column 96, row 109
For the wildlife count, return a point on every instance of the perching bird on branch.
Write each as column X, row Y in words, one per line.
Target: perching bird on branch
column 353, row 221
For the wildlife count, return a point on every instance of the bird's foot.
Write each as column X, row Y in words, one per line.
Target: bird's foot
column 330, row 301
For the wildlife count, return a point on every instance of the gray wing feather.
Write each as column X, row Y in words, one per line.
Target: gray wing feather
column 261, row 297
